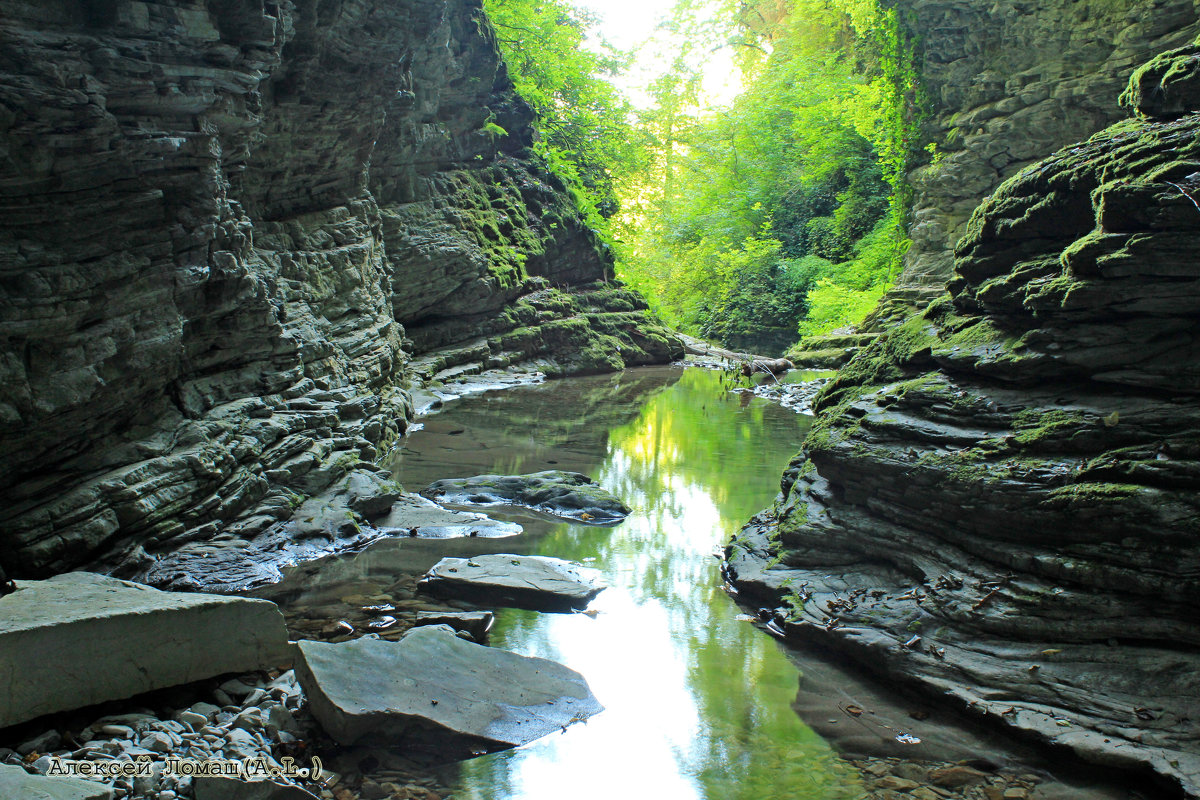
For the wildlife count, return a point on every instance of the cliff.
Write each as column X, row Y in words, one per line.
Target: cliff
column 228, row 225
column 1007, row 84
column 1000, row 498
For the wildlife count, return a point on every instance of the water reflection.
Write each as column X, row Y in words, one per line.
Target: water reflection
column 698, row 703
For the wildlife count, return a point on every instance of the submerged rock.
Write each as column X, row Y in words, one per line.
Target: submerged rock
column 536, row 582
column 1001, row 497
column 218, row 787
column 433, row 691
column 17, row 784
column 79, row 639
column 562, row 494
column 475, row 623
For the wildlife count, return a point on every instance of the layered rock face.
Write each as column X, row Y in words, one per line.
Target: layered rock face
column 1005, row 83
column 1009, row 83
column 219, row 220
column 1000, row 498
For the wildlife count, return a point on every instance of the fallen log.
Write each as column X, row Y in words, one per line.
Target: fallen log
column 750, row 363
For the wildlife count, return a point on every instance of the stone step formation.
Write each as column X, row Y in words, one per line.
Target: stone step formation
column 1000, row 497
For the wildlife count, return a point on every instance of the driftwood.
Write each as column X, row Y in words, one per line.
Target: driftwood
column 750, row 363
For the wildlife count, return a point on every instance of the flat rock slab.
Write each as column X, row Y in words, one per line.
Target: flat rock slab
column 414, row 515
column 217, row 787
column 536, row 582
column 561, row 494
column 17, row 784
column 79, row 639
column 434, row 691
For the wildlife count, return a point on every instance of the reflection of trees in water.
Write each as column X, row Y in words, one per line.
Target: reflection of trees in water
column 577, row 413
column 698, row 434
column 694, row 464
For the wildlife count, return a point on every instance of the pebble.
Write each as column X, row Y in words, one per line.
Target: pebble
column 158, row 742
column 202, row 731
column 236, row 688
column 122, row 731
column 191, row 718
column 898, row 784
column 207, row 710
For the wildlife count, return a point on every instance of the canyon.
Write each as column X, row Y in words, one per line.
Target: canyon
column 240, row 236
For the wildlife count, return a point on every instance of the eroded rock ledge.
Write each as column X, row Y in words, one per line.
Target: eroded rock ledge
column 226, row 227
column 1000, row 498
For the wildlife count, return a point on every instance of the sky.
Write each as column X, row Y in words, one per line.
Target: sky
column 629, row 23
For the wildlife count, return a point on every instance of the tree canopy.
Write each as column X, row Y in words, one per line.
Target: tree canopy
column 779, row 214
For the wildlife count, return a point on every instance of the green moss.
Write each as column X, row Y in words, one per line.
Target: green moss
column 1092, row 494
column 1038, row 425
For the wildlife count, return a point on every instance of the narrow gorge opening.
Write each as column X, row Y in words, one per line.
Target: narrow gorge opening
column 523, row 399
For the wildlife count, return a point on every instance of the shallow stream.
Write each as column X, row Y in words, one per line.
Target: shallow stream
column 700, row 702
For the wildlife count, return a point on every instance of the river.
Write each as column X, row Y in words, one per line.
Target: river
column 699, row 701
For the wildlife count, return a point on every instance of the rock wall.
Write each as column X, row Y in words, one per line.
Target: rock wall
column 1000, row 498
column 226, row 226
column 1008, row 83
column 1005, row 83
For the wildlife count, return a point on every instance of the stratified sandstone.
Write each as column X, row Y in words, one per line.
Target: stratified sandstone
column 1007, row 84
column 1004, row 84
column 221, row 220
column 1000, row 498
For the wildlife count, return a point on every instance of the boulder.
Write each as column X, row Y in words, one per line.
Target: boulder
column 536, row 582
column 561, row 494
column 434, row 691
column 79, row 639
column 18, row 784
column 219, row 787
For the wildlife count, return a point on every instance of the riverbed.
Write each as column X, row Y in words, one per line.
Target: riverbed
column 699, row 701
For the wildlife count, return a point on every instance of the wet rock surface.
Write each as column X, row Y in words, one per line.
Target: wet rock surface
column 536, row 582
column 434, row 691
column 363, row 509
column 561, row 494
column 998, row 498
column 19, row 784
column 79, row 639
column 224, row 222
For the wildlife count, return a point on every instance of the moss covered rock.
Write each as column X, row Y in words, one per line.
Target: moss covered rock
column 1000, row 496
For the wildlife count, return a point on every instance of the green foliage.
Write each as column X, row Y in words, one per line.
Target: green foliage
column 845, row 292
column 785, row 210
column 585, row 133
